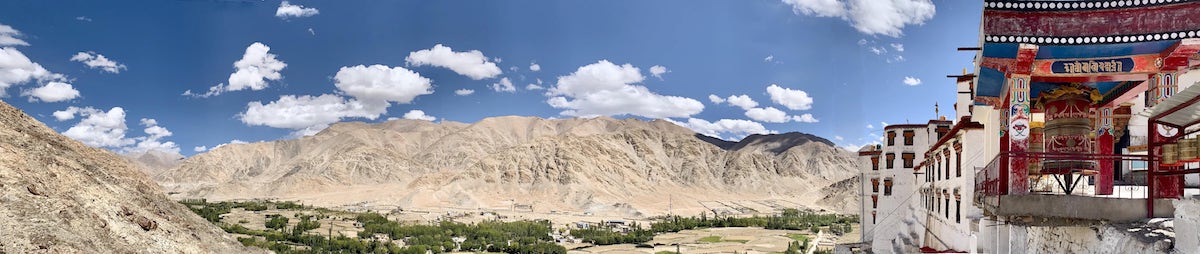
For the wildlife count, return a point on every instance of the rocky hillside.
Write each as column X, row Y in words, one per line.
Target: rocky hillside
column 153, row 161
column 595, row 165
column 58, row 195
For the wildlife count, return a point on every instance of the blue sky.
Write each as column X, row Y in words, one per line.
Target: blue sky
column 356, row 60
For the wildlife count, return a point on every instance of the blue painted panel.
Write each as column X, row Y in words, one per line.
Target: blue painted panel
column 1009, row 50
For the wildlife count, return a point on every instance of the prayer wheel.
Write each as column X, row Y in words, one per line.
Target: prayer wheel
column 1188, row 150
column 1068, row 124
column 1036, row 136
column 1170, row 155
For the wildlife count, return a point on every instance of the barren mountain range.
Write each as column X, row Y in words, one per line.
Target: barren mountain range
column 58, row 195
column 598, row 165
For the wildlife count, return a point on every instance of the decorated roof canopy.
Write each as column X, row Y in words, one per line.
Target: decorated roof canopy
column 1112, row 46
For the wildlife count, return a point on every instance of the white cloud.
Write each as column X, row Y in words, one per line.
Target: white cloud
column 535, row 67
column 311, row 31
column 742, row 101
column 869, row 126
column 883, row 124
column 52, row 92
column 287, row 10
column 898, row 47
column 93, row 60
column 472, row 63
column 379, row 84
column 8, row 36
column 153, row 139
column 872, row 17
column 769, row 58
column 769, row 114
column 878, row 50
column 898, row 58
column 418, row 115
column 606, row 89
column 805, row 118
column 17, row 69
column 504, row 85
column 464, row 92
column 97, row 128
column 792, row 99
column 200, row 148
column 534, row 87
column 300, row 112
column 658, row 71
column 83, row 18
column 862, row 42
column 737, row 127
column 235, row 141
column 912, row 81
column 252, row 71
column 838, row 138
column 715, row 99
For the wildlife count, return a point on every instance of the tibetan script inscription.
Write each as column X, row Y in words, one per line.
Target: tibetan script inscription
column 1092, row 66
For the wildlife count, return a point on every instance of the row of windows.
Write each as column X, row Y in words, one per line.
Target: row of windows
column 933, row 203
column 908, row 138
column 939, row 170
column 891, row 158
column 887, row 186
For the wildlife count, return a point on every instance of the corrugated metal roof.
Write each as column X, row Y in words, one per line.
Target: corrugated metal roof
column 1188, row 114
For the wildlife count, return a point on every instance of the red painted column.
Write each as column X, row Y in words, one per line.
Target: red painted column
column 1018, row 117
column 1104, row 146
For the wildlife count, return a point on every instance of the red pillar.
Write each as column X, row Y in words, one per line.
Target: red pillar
column 1018, row 128
column 1104, row 146
column 1165, row 85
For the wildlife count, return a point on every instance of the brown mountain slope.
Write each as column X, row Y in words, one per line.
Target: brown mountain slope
column 58, row 195
column 595, row 165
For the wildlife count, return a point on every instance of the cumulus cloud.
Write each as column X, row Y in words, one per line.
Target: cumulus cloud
column 16, row 69
column 898, row 47
column 200, row 149
column 8, row 36
column 205, row 148
column 534, row 67
column 658, row 71
column 256, row 67
column 882, row 17
column 287, row 10
column 52, row 92
column 738, row 128
column 769, row 114
column 769, row 58
column 153, row 139
column 504, row 85
column 792, row 99
column 805, row 118
column 742, row 101
column 464, row 92
column 870, row 126
column 912, row 81
column 533, row 87
column 472, row 64
column 418, row 115
column 838, row 138
column 379, row 83
column 715, row 99
column 372, row 90
column 300, row 112
column 607, row 89
column 94, row 61
column 97, row 128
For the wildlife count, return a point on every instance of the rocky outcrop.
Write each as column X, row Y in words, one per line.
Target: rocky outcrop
column 58, row 195
column 566, row 164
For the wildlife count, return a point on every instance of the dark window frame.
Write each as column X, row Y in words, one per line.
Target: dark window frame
column 891, row 160
column 909, row 137
column 908, row 159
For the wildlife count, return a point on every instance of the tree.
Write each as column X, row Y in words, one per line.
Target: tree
column 276, row 222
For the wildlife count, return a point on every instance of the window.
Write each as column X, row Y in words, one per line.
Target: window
column 891, row 158
column 947, row 206
column 957, row 164
column 957, row 210
column 937, row 171
column 947, row 174
column 872, row 217
column 908, row 159
column 887, row 186
column 874, row 162
column 874, row 201
column 937, row 203
column 908, row 137
column 891, row 137
column 875, row 185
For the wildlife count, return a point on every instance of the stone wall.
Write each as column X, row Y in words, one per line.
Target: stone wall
column 1153, row 237
column 1187, row 225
